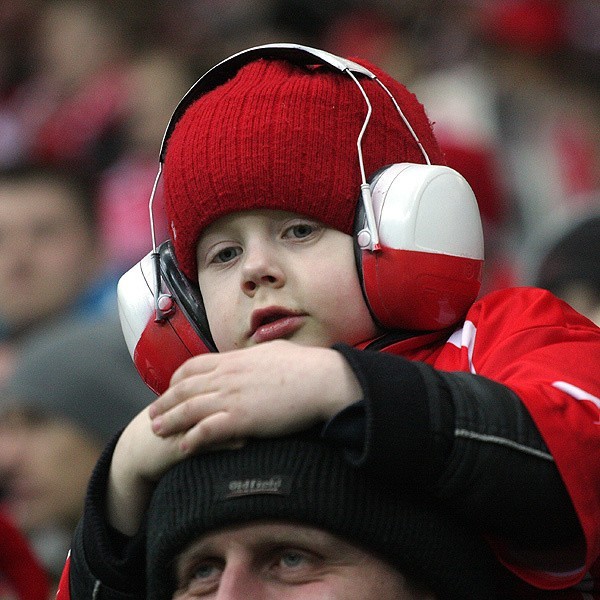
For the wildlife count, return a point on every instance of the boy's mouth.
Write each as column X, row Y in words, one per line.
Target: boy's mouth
column 273, row 323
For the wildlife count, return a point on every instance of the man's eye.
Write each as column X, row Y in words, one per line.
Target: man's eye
column 204, row 571
column 199, row 579
column 292, row 559
column 296, row 566
column 227, row 254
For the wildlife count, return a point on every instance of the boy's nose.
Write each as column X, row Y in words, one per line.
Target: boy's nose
column 261, row 268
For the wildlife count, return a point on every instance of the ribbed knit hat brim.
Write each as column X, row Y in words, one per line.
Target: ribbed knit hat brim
column 304, row 481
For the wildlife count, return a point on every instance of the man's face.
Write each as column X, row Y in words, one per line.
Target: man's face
column 269, row 561
column 46, row 251
column 267, row 274
column 45, row 465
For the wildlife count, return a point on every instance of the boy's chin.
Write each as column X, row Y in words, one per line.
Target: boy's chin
column 312, row 339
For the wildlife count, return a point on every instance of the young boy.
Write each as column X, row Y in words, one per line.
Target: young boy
column 492, row 410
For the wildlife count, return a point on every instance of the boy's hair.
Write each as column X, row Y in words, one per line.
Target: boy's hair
column 300, row 479
column 282, row 136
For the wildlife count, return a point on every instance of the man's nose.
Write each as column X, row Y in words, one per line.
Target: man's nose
column 238, row 582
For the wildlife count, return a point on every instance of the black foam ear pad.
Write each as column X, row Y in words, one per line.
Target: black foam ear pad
column 186, row 294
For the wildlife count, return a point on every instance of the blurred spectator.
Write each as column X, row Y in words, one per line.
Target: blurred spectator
column 205, row 31
column 16, row 57
column 51, row 261
column 582, row 27
column 307, row 19
column 75, row 386
column 155, row 84
column 570, row 265
column 69, row 110
column 513, row 116
column 375, row 35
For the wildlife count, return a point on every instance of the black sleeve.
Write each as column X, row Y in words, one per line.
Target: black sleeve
column 104, row 563
column 463, row 438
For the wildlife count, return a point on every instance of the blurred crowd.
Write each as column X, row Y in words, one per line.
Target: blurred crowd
column 87, row 88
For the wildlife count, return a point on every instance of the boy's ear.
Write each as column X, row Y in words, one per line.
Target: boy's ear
column 159, row 345
column 427, row 271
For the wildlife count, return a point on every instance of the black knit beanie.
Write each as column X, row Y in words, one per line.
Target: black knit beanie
column 308, row 482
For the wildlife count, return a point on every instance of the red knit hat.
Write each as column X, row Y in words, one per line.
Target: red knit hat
column 282, row 136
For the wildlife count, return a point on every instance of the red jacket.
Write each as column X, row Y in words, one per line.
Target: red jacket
column 546, row 357
column 550, row 357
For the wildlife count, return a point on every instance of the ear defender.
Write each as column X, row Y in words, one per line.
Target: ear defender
column 159, row 343
column 428, row 267
column 418, row 242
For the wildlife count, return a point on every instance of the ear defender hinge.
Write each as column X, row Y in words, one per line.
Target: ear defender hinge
column 164, row 305
column 368, row 238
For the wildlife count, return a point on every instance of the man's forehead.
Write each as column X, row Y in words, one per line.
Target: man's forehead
column 265, row 533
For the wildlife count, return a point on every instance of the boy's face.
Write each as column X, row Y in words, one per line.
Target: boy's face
column 269, row 274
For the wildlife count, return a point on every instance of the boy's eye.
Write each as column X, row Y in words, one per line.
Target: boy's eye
column 204, row 571
column 227, row 254
column 301, row 230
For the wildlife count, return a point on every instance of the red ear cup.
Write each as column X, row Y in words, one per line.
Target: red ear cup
column 428, row 271
column 158, row 348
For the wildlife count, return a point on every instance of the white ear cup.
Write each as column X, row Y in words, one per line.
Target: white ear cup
column 428, row 208
column 428, row 271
